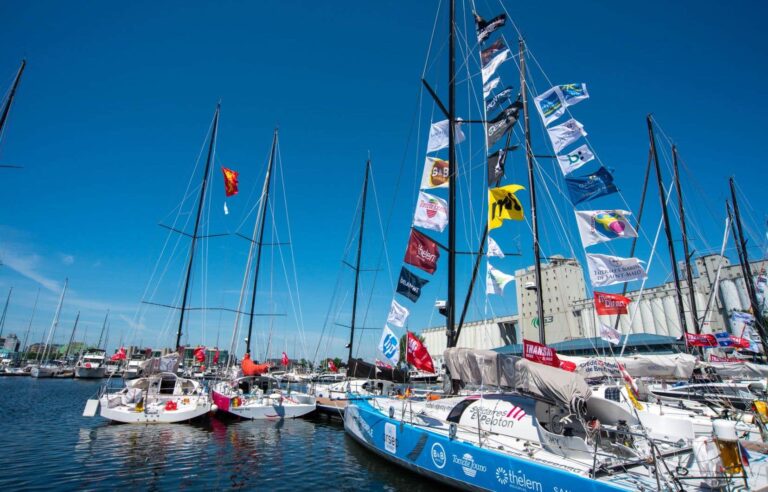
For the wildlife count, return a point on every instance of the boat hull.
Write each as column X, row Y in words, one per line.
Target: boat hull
column 155, row 414
column 90, row 372
column 288, row 407
column 41, row 372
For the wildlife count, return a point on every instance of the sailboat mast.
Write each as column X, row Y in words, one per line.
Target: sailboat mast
column 531, row 186
column 451, row 302
column 72, row 337
column 29, row 327
column 264, row 202
column 197, row 223
column 98, row 345
column 7, row 107
column 684, row 230
column 667, row 229
column 357, row 262
column 5, row 311
column 54, row 322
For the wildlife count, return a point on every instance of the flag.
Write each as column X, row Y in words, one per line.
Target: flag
column 743, row 454
column 573, row 93
column 422, row 252
column 489, row 86
column 607, row 304
column 332, row 367
column 226, row 210
column 575, row 159
column 496, row 166
column 608, row 270
column 216, row 356
column 230, row 181
column 438, row 135
column 389, row 347
column 284, row 360
column 565, row 134
column 740, row 343
column 540, row 353
column 398, row 314
column 486, row 28
column 383, row 365
column 550, row 105
column 609, row 334
column 499, row 99
column 723, row 339
column 599, row 226
column 501, row 124
column 591, row 186
column 496, row 280
column 740, row 322
column 703, row 340
column 417, row 355
column 493, row 248
column 503, row 204
column 627, row 377
column 200, row 354
column 409, row 284
column 119, row 355
column 435, row 173
column 490, row 69
column 431, row 212
column 487, row 53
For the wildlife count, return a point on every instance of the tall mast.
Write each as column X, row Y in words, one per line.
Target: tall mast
column 72, row 336
column 5, row 311
column 357, row 262
column 264, row 202
column 684, row 230
column 531, row 186
column 98, row 345
column 29, row 327
column 451, row 302
column 667, row 230
column 54, row 322
column 7, row 107
column 193, row 242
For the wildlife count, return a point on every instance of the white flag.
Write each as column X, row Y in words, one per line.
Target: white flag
column 608, row 270
column 435, row 173
column 493, row 248
column 438, row 135
column 495, row 281
column 575, row 159
column 226, row 210
column 609, row 334
column 599, row 226
column 397, row 314
column 431, row 212
column 492, row 65
column 573, row 93
column 564, row 135
column 389, row 346
column 489, row 86
column 550, row 105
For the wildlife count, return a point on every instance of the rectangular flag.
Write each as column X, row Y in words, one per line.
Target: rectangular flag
column 575, row 159
column 389, row 346
column 230, row 181
column 398, row 314
column 740, row 321
column 573, row 93
column 599, row 226
column 608, row 270
column 422, row 252
column 493, row 249
column 486, row 28
column 591, row 186
column 489, row 86
column 487, row 53
column 501, row 124
column 409, row 284
column 496, row 280
column 417, row 355
column 703, row 340
column 565, row 134
column 496, row 166
column 609, row 334
column 723, row 339
column 550, row 105
column 540, row 353
column 504, row 205
column 493, row 65
column 499, row 99
column 607, row 304
column 438, row 135
column 435, row 173
column 431, row 212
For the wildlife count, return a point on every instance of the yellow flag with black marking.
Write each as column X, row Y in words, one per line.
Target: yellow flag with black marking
column 504, row 205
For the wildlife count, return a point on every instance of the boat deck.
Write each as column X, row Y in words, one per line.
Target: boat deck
column 331, row 408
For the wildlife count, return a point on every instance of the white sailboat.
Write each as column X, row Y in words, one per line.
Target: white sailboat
column 45, row 368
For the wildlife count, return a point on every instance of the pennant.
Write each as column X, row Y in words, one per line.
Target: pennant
column 607, row 304
column 438, row 135
column 493, row 249
column 409, row 284
column 487, row 53
column 542, row 354
column 230, row 181
column 489, row 86
column 503, row 204
column 422, row 252
column 573, row 93
column 565, row 134
column 435, row 173
column 723, row 339
column 389, row 347
column 703, row 340
column 486, row 28
column 501, row 124
column 398, row 314
column 332, row 367
column 499, row 99
column 609, row 334
column 599, row 226
column 591, row 186
column 575, row 159
column 284, row 360
column 417, row 355
column 496, row 280
column 431, row 212
column 608, row 270
column 550, row 105
column 490, row 69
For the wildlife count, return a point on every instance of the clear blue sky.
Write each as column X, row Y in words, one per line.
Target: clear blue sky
column 117, row 99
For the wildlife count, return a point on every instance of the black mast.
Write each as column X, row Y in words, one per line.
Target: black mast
column 264, row 202
column 667, row 230
column 451, row 302
column 7, row 107
column 197, row 222
column 684, row 230
column 357, row 262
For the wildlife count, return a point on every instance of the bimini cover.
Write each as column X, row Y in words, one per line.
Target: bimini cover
column 739, row 369
column 166, row 363
column 673, row 366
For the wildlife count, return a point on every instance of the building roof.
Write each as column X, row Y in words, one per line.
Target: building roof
column 636, row 342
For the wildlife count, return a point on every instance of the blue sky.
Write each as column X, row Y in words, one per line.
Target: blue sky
column 117, row 99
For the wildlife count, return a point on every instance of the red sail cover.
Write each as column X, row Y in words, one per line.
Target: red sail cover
column 422, row 252
column 606, row 304
column 230, row 181
column 417, row 355
column 703, row 340
column 540, row 353
column 250, row 368
column 120, row 355
column 285, row 361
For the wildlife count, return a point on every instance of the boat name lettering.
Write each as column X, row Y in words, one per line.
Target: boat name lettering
column 517, row 480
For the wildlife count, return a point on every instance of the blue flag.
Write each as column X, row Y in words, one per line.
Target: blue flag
column 723, row 339
column 409, row 285
column 597, row 184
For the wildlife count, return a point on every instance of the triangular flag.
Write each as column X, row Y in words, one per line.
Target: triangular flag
column 496, row 280
column 493, row 248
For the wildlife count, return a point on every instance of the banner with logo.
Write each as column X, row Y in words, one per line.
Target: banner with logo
column 435, row 173
column 489, row 69
column 496, row 166
column 608, row 270
column 565, row 134
column 550, row 105
column 489, row 86
column 501, row 124
column 496, row 101
column 486, row 28
column 398, row 314
column 422, row 252
column 389, row 346
column 496, row 280
column 409, row 284
column 740, row 322
column 490, row 51
column 431, row 212
column 417, row 355
column 438, row 135
column 493, row 249
column 504, row 205
column 702, row 340
column 609, row 334
column 575, row 159
column 599, row 226
column 540, row 353
column 607, row 304
column 723, row 339
column 573, row 93
column 591, row 186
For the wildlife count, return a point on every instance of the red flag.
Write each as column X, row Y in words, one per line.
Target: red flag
column 540, row 353
column 285, row 361
column 703, row 340
column 741, row 343
column 417, row 355
column 230, row 181
column 216, row 356
column 422, row 252
column 610, row 303
column 383, row 365
column 200, row 354
column 332, row 367
column 120, row 355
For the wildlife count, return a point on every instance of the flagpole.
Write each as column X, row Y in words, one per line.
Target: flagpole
column 451, row 301
column 357, row 262
column 7, row 107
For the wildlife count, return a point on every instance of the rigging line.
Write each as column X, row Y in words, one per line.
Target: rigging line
column 431, row 39
column 254, row 189
column 750, row 228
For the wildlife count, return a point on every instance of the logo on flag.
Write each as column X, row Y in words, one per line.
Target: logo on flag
column 486, row 28
column 431, row 212
column 609, row 334
column 230, row 181
column 489, row 86
column 597, row 184
column 487, row 53
column 409, row 284
column 489, row 69
column 703, row 340
column 608, row 270
column 398, row 314
column 389, row 346
column 501, row 124
column 494, row 249
column 503, row 205
column 422, row 252
column 542, row 354
column 608, row 304
column 723, row 339
column 573, row 93
column 550, row 105
column 496, row 166
column 575, row 159
column 499, row 99
column 598, row 226
column 435, row 173
column 565, row 134
column 496, row 280
column 438, row 135
column 417, row 355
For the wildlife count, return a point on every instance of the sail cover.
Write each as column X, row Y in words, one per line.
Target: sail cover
column 739, row 369
column 673, row 366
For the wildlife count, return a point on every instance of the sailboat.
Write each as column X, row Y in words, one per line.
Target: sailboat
column 93, row 362
column 44, row 367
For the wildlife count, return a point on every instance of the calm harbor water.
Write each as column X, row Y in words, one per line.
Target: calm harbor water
column 47, row 444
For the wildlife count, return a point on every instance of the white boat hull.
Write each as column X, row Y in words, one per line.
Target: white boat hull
column 41, row 372
column 90, row 372
column 156, row 413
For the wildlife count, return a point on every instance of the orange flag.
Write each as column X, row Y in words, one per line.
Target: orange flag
column 230, row 181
